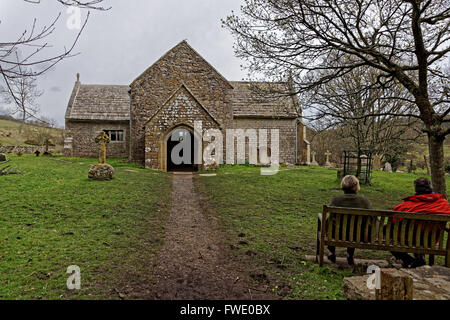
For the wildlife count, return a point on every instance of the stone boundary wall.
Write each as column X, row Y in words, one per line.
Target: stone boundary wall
column 25, row 149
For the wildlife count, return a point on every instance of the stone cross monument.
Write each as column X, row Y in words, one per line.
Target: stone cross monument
column 313, row 159
column 102, row 170
column 102, row 139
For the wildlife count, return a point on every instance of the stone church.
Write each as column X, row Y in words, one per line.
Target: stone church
column 178, row 89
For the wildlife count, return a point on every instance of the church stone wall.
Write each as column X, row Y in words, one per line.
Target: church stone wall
column 155, row 110
column 287, row 134
column 180, row 110
column 83, row 139
column 181, row 65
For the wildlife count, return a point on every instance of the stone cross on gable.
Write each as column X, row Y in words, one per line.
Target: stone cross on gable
column 102, row 139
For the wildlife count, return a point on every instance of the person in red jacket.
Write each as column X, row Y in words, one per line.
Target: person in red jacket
column 424, row 201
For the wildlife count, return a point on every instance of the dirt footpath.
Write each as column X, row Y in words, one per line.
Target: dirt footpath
column 192, row 264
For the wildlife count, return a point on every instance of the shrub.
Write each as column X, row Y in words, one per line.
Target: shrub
column 32, row 142
column 395, row 155
column 447, row 166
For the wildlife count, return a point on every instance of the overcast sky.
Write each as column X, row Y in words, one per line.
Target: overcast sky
column 119, row 44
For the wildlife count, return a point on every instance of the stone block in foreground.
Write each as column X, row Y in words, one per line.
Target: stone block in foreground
column 101, row 171
column 429, row 283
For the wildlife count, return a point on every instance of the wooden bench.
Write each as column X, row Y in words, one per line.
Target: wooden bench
column 376, row 230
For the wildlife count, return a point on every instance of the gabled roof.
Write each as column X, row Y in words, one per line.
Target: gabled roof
column 99, row 102
column 174, row 95
column 263, row 99
column 186, row 45
column 249, row 99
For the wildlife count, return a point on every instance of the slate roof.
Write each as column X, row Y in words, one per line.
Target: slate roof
column 249, row 99
column 112, row 102
column 262, row 99
column 99, row 102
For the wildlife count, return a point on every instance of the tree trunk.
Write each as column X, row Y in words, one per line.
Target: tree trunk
column 436, row 150
column 427, row 164
column 19, row 136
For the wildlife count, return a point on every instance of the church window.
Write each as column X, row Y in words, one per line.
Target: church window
column 115, row 135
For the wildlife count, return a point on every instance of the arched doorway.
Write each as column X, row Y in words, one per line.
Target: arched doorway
column 180, row 150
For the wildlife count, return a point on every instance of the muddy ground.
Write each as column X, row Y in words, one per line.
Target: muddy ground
column 194, row 262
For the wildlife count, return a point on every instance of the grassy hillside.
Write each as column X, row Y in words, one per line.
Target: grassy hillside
column 9, row 131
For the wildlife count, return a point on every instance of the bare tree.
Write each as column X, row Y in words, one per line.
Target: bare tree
column 22, row 94
column 32, row 44
column 406, row 41
column 345, row 104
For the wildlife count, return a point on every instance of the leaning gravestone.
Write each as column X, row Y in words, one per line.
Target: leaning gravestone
column 102, row 170
column 387, row 167
column 2, row 157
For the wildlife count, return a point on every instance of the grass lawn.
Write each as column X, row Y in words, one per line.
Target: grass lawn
column 53, row 216
column 274, row 219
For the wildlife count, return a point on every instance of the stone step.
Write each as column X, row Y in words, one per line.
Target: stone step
column 342, row 262
column 429, row 283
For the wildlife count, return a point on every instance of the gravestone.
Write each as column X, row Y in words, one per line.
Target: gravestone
column 47, row 145
column 376, row 163
column 364, row 160
column 313, row 159
column 327, row 161
column 102, row 170
column 387, row 167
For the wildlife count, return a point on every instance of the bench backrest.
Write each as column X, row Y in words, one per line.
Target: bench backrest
column 387, row 230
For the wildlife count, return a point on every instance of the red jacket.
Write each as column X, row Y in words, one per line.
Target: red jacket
column 425, row 203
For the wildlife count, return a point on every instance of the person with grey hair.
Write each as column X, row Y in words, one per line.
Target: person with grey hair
column 350, row 199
